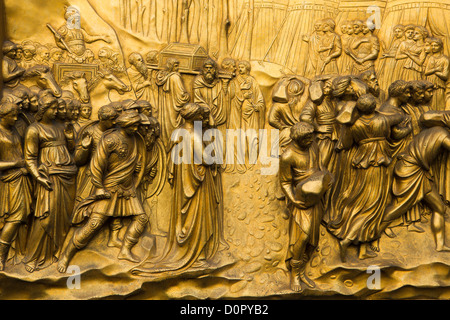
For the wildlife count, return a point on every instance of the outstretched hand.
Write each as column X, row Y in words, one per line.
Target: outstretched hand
column 86, row 140
column 46, row 183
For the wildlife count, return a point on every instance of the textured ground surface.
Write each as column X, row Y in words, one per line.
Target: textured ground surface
column 256, row 225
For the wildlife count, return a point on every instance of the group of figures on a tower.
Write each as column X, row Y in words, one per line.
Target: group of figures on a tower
column 363, row 136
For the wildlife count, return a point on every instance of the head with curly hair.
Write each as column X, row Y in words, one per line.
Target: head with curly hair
column 400, row 89
column 48, row 106
column 8, row 113
column 302, row 133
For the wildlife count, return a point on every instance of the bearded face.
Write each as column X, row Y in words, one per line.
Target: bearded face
column 374, row 86
column 209, row 73
column 140, row 65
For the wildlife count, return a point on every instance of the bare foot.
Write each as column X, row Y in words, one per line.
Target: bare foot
column 367, row 255
column 62, row 264
column 413, row 227
column 375, row 246
column 307, row 280
column 126, row 254
column 30, row 267
column 390, row 233
column 295, row 281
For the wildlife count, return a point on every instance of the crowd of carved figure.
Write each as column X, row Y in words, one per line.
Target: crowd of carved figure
column 359, row 159
column 413, row 54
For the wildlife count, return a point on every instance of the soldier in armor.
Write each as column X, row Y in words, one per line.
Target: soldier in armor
column 73, row 38
column 115, row 167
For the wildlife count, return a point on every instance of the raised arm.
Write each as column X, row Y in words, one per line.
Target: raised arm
column 274, row 117
column 435, row 118
column 308, row 113
column 337, row 46
column 92, row 38
column 83, row 149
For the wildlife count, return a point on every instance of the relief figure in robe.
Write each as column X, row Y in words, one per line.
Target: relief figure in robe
column 413, row 181
column 300, row 167
column 194, row 229
column 172, row 96
column 15, row 186
column 48, row 158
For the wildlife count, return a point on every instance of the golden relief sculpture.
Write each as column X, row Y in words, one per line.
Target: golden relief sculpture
column 225, row 149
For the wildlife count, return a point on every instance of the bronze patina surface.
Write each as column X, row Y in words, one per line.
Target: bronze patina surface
column 218, row 149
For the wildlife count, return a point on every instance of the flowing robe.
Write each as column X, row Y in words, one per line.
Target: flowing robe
column 401, row 58
column 361, row 48
column 82, row 157
column 253, row 105
column 212, row 96
column 387, row 65
column 345, row 61
column 16, row 200
column 399, row 145
column 324, row 116
column 361, row 209
column 296, row 166
column 443, row 64
column 172, row 96
column 343, row 169
column 328, row 40
column 47, row 154
column 283, row 117
column 194, row 228
column 313, row 45
column 253, row 115
column 233, row 112
column 233, row 106
column 146, row 93
column 412, row 70
column 412, row 176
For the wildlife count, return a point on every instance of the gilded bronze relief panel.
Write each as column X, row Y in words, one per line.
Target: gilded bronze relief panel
column 225, row 149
